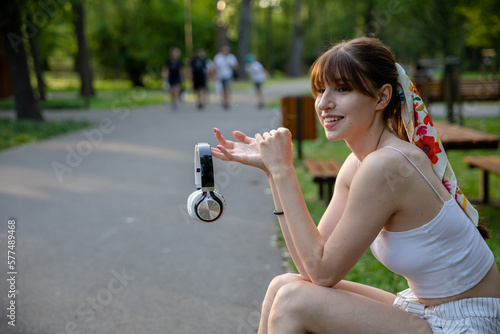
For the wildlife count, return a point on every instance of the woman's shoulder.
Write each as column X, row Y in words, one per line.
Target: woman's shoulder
column 399, row 151
column 392, row 159
column 384, row 162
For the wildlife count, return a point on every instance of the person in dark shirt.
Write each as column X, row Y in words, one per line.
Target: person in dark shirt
column 173, row 69
column 199, row 67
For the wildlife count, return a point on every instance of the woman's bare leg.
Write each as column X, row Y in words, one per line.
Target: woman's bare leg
column 276, row 284
column 367, row 291
column 302, row 307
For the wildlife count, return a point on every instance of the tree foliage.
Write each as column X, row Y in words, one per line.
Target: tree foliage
column 133, row 37
column 136, row 36
column 482, row 24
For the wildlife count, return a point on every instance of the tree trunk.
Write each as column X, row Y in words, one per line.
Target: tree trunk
column 134, row 68
column 369, row 29
column 269, row 40
column 295, row 69
column 26, row 104
column 244, row 36
column 188, row 28
column 5, row 82
column 82, row 58
column 38, row 68
column 220, row 33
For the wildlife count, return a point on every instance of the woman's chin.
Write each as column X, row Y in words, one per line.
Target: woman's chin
column 332, row 136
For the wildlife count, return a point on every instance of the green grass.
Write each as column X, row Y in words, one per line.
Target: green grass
column 62, row 92
column 368, row 270
column 18, row 132
column 131, row 98
column 70, row 82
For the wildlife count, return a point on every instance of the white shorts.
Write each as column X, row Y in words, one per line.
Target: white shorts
column 469, row 315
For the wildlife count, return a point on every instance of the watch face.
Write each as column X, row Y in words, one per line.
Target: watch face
column 209, row 210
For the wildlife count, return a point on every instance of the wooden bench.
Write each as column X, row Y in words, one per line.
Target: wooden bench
column 460, row 137
column 479, row 90
column 470, row 90
column 487, row 164
column 324, row 172
column 431, row 90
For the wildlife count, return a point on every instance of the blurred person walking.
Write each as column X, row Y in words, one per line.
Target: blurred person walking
column 257, row 74
column 173, row 73
column 225, row 64
column 199, row 68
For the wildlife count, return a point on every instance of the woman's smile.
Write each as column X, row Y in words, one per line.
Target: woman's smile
column 331, row 121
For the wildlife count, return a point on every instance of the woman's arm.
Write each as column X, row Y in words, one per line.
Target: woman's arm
column 247, row 152
column 337, row 204
column 368, row 206
column 331, row 215
column 286, row 232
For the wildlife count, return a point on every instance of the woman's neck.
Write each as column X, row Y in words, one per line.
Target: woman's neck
column 371, row 141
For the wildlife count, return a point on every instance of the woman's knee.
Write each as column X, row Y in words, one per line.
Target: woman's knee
column 282, row 280
column 276, row 284
column 289, row 303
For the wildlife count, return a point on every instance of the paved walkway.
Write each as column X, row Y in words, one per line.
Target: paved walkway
column 103, row 240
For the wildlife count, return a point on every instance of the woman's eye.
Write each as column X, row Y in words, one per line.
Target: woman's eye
column 343, row 89
column 320, row 90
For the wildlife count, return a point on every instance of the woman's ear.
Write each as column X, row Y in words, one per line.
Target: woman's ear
column 384, row 97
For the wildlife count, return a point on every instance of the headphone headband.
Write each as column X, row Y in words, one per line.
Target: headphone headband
column 203, row 167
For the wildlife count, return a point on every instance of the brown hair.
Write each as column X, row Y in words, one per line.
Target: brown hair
column 364, row 64
column 483, row 229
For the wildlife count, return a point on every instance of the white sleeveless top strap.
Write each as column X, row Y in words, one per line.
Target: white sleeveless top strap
column 407, row 158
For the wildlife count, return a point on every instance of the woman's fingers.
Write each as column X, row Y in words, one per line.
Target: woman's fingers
column 258, row 138
column 226, row 154
column 217, row 153
column 220, row 138
column 242, row 137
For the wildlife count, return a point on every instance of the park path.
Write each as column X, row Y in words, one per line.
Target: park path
column 103, row 240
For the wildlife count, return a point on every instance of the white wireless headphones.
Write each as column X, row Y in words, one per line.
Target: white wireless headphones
column 206, row 204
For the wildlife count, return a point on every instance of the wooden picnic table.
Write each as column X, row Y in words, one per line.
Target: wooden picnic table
column 456, row 137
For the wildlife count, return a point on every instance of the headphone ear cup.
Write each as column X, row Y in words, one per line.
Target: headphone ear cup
column 192, row 201
column 219, row 196
column 222, row 202
column 209, row 207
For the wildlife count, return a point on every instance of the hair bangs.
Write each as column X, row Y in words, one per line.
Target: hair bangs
column 337, row 67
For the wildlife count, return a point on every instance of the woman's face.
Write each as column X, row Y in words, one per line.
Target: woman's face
column 344, row 112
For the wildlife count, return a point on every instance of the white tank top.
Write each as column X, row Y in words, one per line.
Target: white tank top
column 442, row 258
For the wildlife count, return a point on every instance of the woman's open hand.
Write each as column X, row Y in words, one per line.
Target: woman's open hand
column 245, row 150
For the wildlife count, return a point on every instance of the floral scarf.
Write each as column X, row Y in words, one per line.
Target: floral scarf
column 422, row 133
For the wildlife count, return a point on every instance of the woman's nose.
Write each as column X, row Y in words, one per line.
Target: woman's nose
column 325, row 102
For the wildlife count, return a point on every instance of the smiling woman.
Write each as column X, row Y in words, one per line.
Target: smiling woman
column 426, row 231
